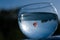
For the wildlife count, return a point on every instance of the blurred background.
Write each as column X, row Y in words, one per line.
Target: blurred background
column 9, row 9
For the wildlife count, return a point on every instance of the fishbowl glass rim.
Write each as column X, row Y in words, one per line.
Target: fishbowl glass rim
column 50, row 4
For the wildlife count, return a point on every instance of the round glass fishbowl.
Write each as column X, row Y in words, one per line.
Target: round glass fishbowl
column 38, row 20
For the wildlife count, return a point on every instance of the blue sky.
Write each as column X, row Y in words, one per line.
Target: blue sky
column 8, row 4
